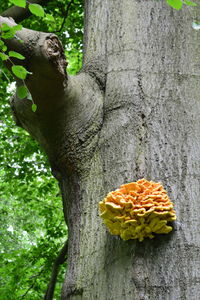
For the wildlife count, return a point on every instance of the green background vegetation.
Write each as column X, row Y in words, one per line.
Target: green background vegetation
column 32, row 225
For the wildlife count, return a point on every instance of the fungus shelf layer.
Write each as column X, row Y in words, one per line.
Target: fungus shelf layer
column 137, row 210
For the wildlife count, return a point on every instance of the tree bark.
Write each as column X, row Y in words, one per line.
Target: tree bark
column 132, row 112
column 150, row 129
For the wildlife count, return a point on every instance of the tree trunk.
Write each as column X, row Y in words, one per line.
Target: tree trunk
column 133, row 112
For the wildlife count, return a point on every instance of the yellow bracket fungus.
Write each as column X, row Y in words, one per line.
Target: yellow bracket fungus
column 137, row 210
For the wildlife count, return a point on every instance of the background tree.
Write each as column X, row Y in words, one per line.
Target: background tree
column 132, row 112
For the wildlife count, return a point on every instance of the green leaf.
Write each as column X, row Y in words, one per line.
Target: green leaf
column 21, row 3
column 36, row 9
column 190, row 3
column 19, row 71
column 16, row 55
column 17, row 27
column 177, row 4
column 3, row 56
column 22, row 91
column 49, row 18
column 3, row 47
column 5, row 27
column 9, row 32
column 34, row 107
column 7, row 35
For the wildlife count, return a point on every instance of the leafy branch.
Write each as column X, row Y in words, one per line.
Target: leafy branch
column 60, row 259
column 33, row 284
column 178, row 4
column 65, row 16
column 34, row 8
column 9, row 32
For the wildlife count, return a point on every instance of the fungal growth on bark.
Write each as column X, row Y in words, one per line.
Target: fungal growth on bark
column 137, row 210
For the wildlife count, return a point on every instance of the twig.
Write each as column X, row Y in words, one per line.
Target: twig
column 61, row 258
column 65, row 16
column 32, row 285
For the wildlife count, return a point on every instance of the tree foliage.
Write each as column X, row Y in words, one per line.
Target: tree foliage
column 32, row 223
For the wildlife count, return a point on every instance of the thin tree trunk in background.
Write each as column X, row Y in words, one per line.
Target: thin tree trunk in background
column 60, row 259
column 151, row 128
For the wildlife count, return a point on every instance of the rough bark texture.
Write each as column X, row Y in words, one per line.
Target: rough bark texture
column 150, row 129
column 133, row 112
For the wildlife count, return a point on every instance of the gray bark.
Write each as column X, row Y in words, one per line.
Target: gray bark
column 132, row 112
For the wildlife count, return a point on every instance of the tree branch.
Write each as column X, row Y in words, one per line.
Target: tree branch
column 62, row 122
column 61, row 258
column 18, row 13
column 44, row 58
column 65, row 16
column 32, row 285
